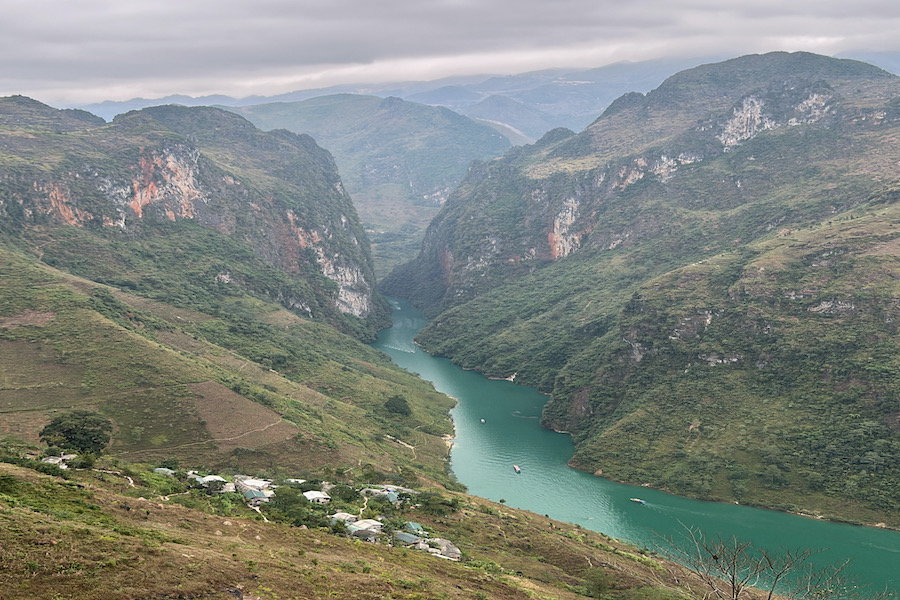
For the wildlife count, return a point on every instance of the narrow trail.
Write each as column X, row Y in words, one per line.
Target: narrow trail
column 119, row 473
column 166, row 498
column 225, row 439
column 402, row 443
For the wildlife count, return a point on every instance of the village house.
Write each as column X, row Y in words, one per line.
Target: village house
column 445, row 549
column 390, row 492
column 317, row 497
column 243, row 483
column 363, row 533
column 365, row 529
column 254, row 497
column 415, row 528
column 345, row 517
column 60, row 461
column 407, row 539
column 415, row 538
column 369, row 524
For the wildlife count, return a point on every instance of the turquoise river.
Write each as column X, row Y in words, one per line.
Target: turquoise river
column 497, row 426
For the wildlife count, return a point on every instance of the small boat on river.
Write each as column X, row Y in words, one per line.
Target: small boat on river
column 638, row 500
column 517, row 469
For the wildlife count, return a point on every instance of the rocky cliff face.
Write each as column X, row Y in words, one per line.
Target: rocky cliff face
column 590, row 191
column 278, row 193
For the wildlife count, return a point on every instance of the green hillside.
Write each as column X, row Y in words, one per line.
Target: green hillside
column 205, row 286
column 398, row 160
column 252, row 386
column 704, row 280
column 268, row 209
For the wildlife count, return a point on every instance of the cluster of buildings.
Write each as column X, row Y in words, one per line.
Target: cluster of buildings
column 258, row 491
column 413, row 535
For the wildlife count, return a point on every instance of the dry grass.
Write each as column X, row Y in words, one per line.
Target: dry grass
column 85, row 541
column 232, row 420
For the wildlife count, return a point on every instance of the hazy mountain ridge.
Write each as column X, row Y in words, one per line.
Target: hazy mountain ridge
column 398, row 160
column 561, row 97
column 538, row 263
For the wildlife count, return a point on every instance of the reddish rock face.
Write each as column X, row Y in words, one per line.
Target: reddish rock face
column 277, row 192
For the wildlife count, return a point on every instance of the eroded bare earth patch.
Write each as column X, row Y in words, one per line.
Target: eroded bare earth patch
column 233, row 420
column 26, row 317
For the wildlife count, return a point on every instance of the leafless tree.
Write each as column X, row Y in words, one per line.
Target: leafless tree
column 732, row 569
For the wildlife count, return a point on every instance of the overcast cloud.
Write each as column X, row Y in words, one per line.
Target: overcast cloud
column 67, row 52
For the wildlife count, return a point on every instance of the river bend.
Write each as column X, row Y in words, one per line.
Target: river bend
column 497, row 427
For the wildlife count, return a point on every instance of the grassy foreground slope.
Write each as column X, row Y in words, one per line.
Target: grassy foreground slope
column 93, row 536
column 704, row 279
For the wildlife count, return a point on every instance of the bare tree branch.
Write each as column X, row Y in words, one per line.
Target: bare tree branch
column 733, row 569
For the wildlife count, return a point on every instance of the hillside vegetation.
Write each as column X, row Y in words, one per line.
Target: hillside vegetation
column 184, row 384
column 205, row 286
column 704, row 279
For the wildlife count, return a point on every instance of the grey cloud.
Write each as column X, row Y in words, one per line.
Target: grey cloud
column 61, row 45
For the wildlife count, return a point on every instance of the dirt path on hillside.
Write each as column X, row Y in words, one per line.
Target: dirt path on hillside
column 217, row 440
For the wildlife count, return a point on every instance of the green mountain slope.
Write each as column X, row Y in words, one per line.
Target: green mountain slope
column 180, row 383
column 205, row 286
column 399, row 160
column 703, row 279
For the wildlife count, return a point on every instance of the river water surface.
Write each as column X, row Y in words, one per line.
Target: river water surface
column 497, row 426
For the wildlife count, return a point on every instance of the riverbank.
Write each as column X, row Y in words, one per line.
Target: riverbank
column 496, row 424
column 799, row 512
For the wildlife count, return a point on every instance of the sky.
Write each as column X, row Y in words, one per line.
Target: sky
column 69, row 52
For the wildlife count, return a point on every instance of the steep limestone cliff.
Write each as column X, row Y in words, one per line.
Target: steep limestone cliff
column 278, row 193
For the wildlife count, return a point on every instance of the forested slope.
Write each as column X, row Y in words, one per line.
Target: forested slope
column 704, row 279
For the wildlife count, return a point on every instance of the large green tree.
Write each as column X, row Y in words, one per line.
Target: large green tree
column 80, row 430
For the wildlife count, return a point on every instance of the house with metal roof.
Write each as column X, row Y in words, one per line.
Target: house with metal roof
column 407, row 539
column 414, row 527
column 343, row 516
column 369, row 524
column 255, row 497
column 317, row 497
column 365, row 533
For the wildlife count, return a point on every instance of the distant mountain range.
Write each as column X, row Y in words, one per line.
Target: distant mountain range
column 532, row 103
column 545, row 99
column 399, row 164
